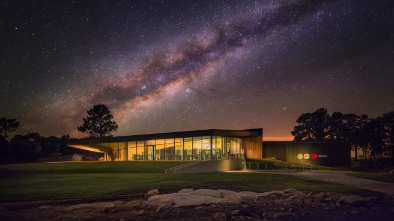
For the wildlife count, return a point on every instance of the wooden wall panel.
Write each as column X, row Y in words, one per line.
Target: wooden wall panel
column 253, row 147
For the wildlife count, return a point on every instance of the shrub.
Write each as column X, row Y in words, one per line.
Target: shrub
column 77, row 157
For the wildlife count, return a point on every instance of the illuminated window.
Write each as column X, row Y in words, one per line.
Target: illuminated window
column 206, row 148
column 197, row 148
column 160, row 154
column 141, row 150
column 132, row 152
column 217, row 147
column 169, row 149
column 123, row 151
column 187, row 142
column 178, row 149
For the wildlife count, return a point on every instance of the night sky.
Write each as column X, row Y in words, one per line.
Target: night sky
column 163, row 66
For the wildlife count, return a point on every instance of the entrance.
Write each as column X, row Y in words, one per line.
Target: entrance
column 150, row 152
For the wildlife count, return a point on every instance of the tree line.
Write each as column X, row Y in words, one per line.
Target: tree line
column 32, row 146
column 374, row 136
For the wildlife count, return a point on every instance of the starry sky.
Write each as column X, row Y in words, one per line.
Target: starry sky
column 175, row 65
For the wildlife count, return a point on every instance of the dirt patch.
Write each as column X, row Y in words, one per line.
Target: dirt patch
column 211, row 205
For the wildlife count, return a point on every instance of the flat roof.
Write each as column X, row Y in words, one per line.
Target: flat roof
column 195, row 133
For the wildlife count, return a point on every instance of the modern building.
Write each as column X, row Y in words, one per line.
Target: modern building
column 211, row 145
column 188, row 145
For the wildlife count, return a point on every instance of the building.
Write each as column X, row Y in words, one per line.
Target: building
column 210, row 145
column 188, row 145
column 329, row 153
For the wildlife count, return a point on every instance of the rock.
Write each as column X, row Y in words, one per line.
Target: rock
column 379, row 199
column 247, row 195
column 285, row 216
column 295, row 192
column 308, row 201
column 206, row 192
column 352, row 200
column 161, row 200
column 320, row 196
column 235, row 212
column 185, row 190
column 226, row 192
column 151, row 193
column 102, row 205
column 220, row 216
column 231, row 199
column 122, row 219
column 272, row 193
column 138, row 204
column 292, row 200
column 105, row 210
column 291, row 190
column 159, row 209
column 141, row 212
column 391, row 172
column 44, row 207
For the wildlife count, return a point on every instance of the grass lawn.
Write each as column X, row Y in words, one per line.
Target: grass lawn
column 274, row 164
column 373, row 176
column 75, row 180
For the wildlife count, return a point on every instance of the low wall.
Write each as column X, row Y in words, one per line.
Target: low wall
column 209, row 166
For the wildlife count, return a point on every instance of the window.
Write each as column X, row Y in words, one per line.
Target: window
column 197, row 148
column 187, row 148
column 122, row 151
column 141, row 150
column 169, row 149
column 206, row 148
column 178, row 149
column 160, row 154
column 132, row 152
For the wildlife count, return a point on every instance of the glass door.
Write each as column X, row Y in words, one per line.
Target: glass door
column 150, row 152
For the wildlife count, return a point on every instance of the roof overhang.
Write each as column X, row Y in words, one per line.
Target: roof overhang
column 88, row 148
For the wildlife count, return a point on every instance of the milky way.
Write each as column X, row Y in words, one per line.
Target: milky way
column 164, row 66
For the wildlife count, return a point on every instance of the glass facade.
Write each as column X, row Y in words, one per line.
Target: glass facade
column 177, row 148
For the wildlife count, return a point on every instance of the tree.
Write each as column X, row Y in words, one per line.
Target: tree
column 98, row 122
column 348, row 127
column 8, row 125
column 337, row 127
column 355, row 126
column 387, row 121
column 25, row 148
column 312, row 126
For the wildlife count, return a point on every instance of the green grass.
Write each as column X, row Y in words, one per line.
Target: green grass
column 373, row 176
column 76, row 180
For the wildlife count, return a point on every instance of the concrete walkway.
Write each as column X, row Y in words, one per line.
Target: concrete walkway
column 340, row 177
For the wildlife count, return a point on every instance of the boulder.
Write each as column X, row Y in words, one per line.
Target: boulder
column 152, row 193
column 220, row 216
column 353, row 200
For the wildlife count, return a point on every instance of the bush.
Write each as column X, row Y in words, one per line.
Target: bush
column 383, row 164
column 77, row 157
